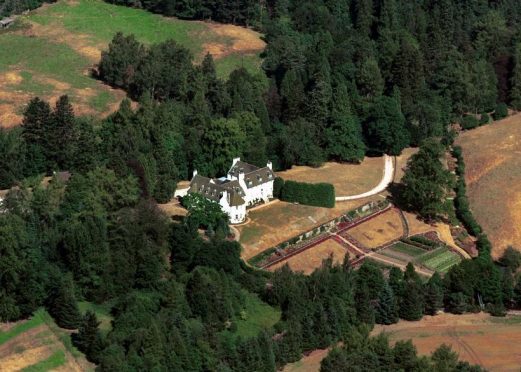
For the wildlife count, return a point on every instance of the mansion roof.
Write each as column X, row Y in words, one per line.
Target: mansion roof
column 253, row 175
column 214, row 189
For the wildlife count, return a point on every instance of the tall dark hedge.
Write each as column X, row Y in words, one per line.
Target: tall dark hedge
column 315, row 194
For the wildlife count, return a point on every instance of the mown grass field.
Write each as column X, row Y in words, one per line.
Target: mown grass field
column 407, row 249
column 493, row 173
column 256, row 316
column 38, row 344
column 441, row 259
column 53, row 49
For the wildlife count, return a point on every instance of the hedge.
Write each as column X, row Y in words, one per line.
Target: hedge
column 463, row 211
column 315, row 194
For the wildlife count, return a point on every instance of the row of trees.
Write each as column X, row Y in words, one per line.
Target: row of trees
column 242, row 12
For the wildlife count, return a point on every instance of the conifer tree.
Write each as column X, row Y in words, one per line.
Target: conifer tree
column 434, row 295
column 63, row 306
column 386, row 309
column 364, row 309
column 412, row 304
column 88, row 340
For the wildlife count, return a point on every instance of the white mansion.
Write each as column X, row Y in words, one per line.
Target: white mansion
column 244, row 185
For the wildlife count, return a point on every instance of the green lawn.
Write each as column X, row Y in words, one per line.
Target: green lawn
column 407, row 249
column 42, row 57
column 98, row 21
column 102, row 313
column 34, row 321
column 441, row 259
column 51, row 51
column 54, row 361
column 257, row 316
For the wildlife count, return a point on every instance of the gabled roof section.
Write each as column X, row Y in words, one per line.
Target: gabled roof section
column 253, row 175
column 214, row 189
column 205, row 187
column 242, row 167
column 258, row 177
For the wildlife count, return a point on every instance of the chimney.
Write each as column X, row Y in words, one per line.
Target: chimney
column 195, row 173
column 235, row 160
column 269, row 165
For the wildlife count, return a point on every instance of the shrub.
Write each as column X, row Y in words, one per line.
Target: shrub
column 485, row 119
column 501, row 111
column 315, row 194
column 469, row 122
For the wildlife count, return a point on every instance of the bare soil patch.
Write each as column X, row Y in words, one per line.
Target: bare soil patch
column 243, row 40
column 348, row 179
column 309, row 363
column 477, row 338
column 493, row 170
column 312, row 258
column 278, row 222
column 173, row 208
column 379, row 230
column 81, row 43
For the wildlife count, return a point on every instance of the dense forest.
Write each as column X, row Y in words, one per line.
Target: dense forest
column 341, row 79
column 10, row 7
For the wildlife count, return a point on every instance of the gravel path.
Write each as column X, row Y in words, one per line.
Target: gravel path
column 384, row 182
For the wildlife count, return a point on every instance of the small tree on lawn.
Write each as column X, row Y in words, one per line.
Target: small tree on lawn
column 426, row 182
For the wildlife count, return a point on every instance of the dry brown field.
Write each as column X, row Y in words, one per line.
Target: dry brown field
column 312, row 258
column 493, row 175
column 477, row 338
column 348, row 179
column 309, row 363
column 279, row 221
column 401, row 162
column 379, row 230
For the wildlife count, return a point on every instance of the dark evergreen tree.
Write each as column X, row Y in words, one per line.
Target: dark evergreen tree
column 63, row 306
column 434, row 295
column 88, row 339
column 386, row 311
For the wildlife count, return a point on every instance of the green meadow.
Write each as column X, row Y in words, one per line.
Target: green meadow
column 52, row 50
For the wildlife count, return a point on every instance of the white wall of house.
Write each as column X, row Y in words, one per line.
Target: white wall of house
column 181, row 192
column 260, row 192
column 237, row 214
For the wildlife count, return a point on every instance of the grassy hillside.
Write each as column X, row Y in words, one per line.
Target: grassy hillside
column 493, row 171
column 52, row 50
column 38, row 344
